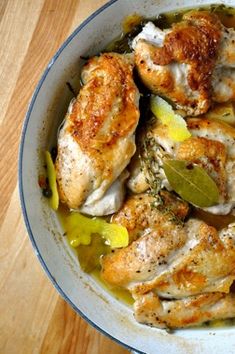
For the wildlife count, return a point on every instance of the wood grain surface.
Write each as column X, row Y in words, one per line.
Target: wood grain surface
column 33, row 317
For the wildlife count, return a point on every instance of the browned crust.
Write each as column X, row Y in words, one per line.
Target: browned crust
column 100, row 123
column 111, row 79
column 149, row 309
column 194, row 41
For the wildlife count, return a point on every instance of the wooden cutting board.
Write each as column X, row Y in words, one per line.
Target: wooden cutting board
column 33, row 317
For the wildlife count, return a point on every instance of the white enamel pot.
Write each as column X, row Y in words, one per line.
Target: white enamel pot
column 46, row 110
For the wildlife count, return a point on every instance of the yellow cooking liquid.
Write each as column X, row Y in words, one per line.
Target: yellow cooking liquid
column 89, row 259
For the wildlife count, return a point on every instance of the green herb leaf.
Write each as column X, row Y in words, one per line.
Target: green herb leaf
column 191, row 182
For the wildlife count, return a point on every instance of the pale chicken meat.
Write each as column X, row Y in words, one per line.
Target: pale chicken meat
column 211, row 146
column 176, row 260
column 195, row 310
column 192, row 63
column 97, row 139
column 171, row 260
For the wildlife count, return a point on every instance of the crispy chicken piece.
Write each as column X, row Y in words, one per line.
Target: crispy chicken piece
column 195, row 310
column 212, row 146
column 157, row 236
column 192, row 63
column 97, row 140
column 172, row 261
column 133, row 213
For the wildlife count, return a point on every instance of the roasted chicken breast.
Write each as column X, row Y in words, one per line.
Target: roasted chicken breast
column 172, row 261
column 97, row 139
column 211, row 146
column 194, row 310
column 192, row 63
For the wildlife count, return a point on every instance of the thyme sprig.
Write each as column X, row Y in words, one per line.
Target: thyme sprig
column 152, row 153
column 151, row 158
column 167, row 210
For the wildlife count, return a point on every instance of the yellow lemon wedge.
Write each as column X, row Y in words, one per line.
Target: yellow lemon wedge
column 79, row 229
column 177, row 127
column 51, row 174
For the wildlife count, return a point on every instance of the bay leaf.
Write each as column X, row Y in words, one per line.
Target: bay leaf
column 191, row 182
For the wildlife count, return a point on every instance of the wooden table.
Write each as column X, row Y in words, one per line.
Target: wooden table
column 33, row 317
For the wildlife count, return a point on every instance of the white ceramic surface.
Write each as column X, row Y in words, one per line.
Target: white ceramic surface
column 46, row 110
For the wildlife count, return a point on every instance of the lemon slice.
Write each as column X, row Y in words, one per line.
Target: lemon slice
column 79, row 229
column 51, row 174
column 177, row 127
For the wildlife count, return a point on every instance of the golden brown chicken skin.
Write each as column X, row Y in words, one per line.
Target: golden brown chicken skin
column 174, row 259
column 133, row 213
column 189, row 62
column 97, row 140
column 155, row 235
column 171, row 260
column 191, row 311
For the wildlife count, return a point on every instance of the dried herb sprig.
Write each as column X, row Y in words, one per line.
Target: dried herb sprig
column 172, row 217
column 152, row 156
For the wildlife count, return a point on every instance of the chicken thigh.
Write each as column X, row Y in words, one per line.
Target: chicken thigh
column 174, row 259
column 191, row 63
column 194, row 310
column 211, row 146
column 171, row 260
column 97, row 140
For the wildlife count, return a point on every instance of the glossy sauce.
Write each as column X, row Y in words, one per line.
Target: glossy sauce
column 119, row 293
column 218, row 221
column 89, row 259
